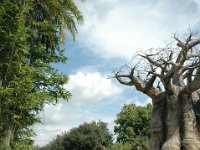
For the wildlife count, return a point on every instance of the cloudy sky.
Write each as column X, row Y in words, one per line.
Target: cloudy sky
column 114, row 30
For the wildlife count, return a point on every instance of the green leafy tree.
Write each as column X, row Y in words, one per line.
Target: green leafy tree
column 132, row 125
column 87, row 136
column 31, row 34
column 119, row 146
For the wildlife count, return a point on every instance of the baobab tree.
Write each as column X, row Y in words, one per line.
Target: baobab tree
column 171, row 78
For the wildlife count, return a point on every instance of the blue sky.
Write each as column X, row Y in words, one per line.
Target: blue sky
column 113, row 32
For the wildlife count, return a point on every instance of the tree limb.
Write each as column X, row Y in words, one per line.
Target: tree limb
column 193, row 43
column 155, row 63
column 120, row 80
column 194, row 84
column 141, row 85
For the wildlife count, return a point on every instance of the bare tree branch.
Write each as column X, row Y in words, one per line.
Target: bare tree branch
column 155, row 63
column 193, row 43
column 171, row 66
column 195, row 83
column 180, row 43
column 189, row 38
column 145, row 86
column 120, row 80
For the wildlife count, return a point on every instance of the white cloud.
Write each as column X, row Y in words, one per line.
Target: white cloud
column 91, row 87
column 113, row 29
column 90, row 94
column 137, row 101
column 143, row 103
column 116, row 28
column 94, row 98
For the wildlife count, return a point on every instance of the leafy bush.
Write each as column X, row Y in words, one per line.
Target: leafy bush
column 87, row 136
column 125, row 146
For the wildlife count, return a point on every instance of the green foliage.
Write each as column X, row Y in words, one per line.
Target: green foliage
column 31, row 34
column 87, row 136
column 56, row 144
column 125, row 146
column 132, row 125
column 22, row 139
column 22, row 144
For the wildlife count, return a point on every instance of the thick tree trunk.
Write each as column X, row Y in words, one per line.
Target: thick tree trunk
column 172, row 128
column 190, row 139
column 157, row 122
column 5, row 137
column 174, row 123
column 176, row 118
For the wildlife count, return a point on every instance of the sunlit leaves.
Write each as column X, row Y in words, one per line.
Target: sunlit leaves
column 133, row 123
column 31, row 34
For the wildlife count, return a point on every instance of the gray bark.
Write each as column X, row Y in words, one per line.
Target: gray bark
column 190, row 139
column 176, row 111
column 172, row 129
column 175, row 122
column 157, row 123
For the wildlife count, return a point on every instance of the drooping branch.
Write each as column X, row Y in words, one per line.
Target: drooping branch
column 119, row 78
column 145, row 86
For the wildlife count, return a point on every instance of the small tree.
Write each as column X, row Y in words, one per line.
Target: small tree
column 171, row 78
column 132, row 125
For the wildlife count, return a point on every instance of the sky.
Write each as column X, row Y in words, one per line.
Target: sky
column 112, row 33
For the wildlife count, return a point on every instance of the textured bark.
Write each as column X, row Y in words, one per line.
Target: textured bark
column 175, row 122
column 5, row 138
column 190, row 139
column 176, row 103
column 157, row 123
column 172, row 128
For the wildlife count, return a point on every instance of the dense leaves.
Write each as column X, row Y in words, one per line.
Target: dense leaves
column 31, row 34
column 118, row 146
column 132, row 125
column 87, row 136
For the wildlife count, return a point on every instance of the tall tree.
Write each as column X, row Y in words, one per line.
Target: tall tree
column 132, row 125
column 31, row 34
column 176, row 72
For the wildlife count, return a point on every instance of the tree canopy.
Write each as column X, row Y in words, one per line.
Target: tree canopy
column 133, row 124
column 31, row 34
